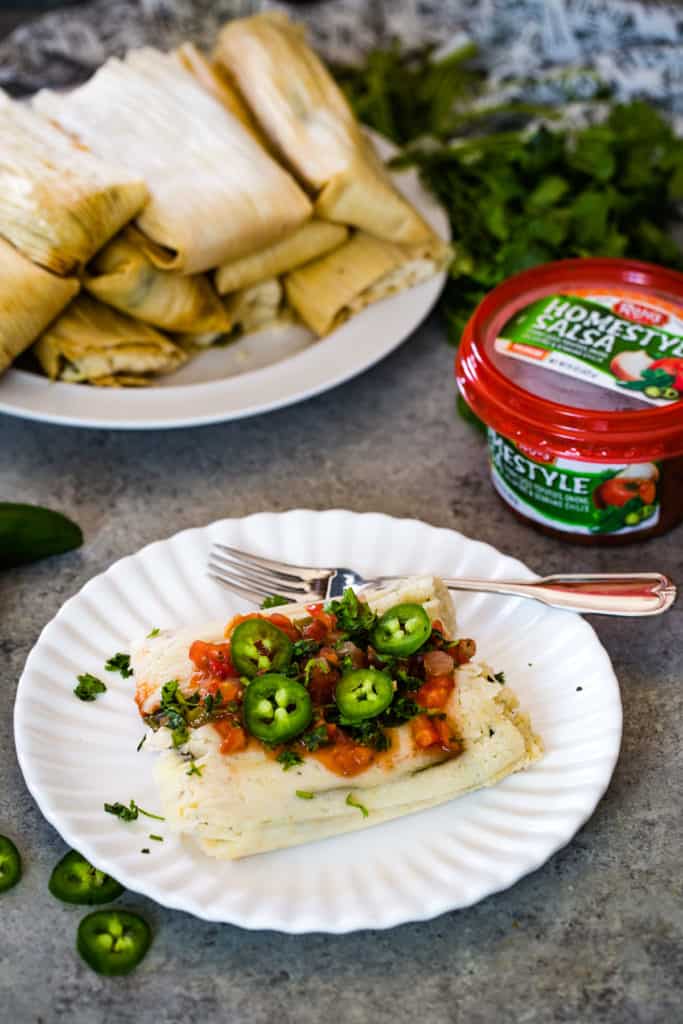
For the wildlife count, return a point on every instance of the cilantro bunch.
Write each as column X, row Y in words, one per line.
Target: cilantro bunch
column 519, row 195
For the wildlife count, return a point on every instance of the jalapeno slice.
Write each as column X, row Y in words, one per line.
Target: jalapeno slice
column 364, row 693
column 10, row 864
column 258, row 646
column 276, row 708
column 75, row 880
column 402, row 630
column 113, row 941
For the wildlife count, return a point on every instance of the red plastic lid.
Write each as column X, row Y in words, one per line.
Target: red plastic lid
column 551, row 415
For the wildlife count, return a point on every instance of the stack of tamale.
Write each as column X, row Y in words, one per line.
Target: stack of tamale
column 185, row 199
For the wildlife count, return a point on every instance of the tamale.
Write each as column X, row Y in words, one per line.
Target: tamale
column 257, row 306
column 329, row 290
column 30, row 298
column 306, row 243
column 59, row 203
column 306, row 117
column 215, row 193
column 92, row 343
column 122, row 275
column 216, row 80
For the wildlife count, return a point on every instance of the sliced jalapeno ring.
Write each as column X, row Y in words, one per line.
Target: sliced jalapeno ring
column 364, row 693
column 113, row 941
column 402, row 630
column 10, row 864
column 257, row 646
column 276, row 708
column 75, row 880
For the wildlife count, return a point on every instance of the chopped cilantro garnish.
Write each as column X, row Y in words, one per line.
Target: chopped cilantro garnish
column 273, row 600
column 289, row 759
column 368, row 733
column 352, row 802
column 195, row 769
column 131, row 812
column 121, row 811
column 315, row 738
column 141, row 743
column 153, row 632
column 145, row 850
column 88, row 687
column 303, row 794
column 119, row 663
column 354, row 618
column 158, row 839
column 304, row 648
column 497, row 677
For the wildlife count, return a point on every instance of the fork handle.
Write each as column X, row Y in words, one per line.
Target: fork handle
column 639, row 593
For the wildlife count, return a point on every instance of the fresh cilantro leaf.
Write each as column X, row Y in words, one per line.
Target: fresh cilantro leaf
column 303, row 794
column 153, row 632
column 195, row 769
column 304, row 649
column 180, row 735
column 352, row 802
column 315, row 738
column 158, row 839
column 88, row 687
column 141, row 743
column 130, row 812
column 288, row 759
column 368, row 733
column 273, row 601
column 120, row 810
column 148, row 814
column 119, row 663
column 401, row 709
column 354, row 618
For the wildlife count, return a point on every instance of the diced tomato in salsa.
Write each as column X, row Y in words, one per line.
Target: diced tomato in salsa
column 343, row 755
column 233, row 736
column 433, row 732
column 435, row 692
column 212, row 659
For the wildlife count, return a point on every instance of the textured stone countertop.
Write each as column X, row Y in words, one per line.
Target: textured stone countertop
column 595, row 935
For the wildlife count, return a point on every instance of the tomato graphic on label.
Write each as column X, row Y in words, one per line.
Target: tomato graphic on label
column 638, row 481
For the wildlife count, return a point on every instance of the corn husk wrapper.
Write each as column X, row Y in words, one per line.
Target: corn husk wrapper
column 215, row 193
column 329, row 290
column 30, row 298
column 124, row 276
column 92, row 343
column 216, row 80
column 305, row 115
column 59, row 204
column 306, row 243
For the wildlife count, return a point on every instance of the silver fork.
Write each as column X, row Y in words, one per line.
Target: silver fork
column 255, row 577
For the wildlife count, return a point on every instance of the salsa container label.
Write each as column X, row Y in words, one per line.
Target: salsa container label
column 573, row 496
column 624, row 341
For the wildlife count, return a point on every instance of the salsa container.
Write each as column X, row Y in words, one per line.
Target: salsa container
column 576, row 369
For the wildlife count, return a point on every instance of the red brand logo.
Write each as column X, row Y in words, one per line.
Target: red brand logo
column 640, row 314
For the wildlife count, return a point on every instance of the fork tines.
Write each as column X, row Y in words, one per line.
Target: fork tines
column 253, row 576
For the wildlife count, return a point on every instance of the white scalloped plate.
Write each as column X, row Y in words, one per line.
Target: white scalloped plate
column 75, row 756
column 275, row 367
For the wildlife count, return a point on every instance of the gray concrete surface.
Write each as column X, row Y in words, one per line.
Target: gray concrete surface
column 593, row 936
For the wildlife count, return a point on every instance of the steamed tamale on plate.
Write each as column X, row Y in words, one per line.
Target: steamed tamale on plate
column 209, row 226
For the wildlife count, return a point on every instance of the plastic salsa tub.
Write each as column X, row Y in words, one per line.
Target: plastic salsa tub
column 576, row 368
